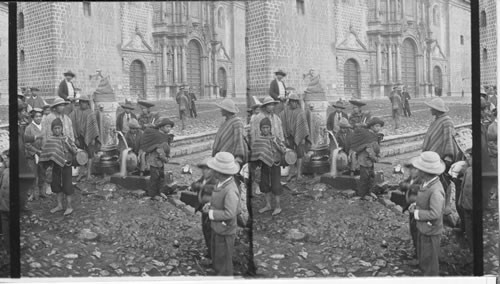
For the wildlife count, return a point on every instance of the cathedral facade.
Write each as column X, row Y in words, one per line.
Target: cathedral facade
column 366, row 47
column 146, row 49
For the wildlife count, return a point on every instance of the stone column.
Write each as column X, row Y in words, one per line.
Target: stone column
column 388, row 10
column 379, row 62
column 164, row 63
column 377, row 10
column 389, row 61
column 403, row 9
column 188, row 10
column 176, row 63
column 174, row 12
column 210, row 72
column 184, row 65
column 398, row 63
column 162, row 11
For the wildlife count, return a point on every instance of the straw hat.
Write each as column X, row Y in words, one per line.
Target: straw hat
column 280, row 72
column 437, row 104
column 339, row 104
column 36, row 109
column 357, row 103
column 59, row 101
column 293, row 97
column 164, row 121
column 69, row 73
column 228, row 105
column 84, row 98
column 429, row 162
column 145, row 104
column 268, row 100
column 374, row 121
column 224, row 163
column 134, row 124
column 343, row 123
column 128, row 105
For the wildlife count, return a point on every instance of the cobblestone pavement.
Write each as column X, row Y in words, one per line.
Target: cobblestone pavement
column 491, row 239
column 135, row 236
column 4, row 258
column 335, row 234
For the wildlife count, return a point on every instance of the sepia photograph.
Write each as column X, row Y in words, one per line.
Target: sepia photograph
column 250, row 139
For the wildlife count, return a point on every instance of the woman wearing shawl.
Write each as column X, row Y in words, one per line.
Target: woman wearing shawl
column 33, row 151
column 59, row 150
column 267, row 151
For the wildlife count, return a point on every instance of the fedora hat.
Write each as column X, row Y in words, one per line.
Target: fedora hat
column 429, row 162
column 84, row 98
column 343, row 123
column 164, row 121
column 134, row 124
column 374, row 121
column 228, row 105
column 69, row 73
column 293, row 97
column 59, row 101
column 128, row 105
column 145, row 104
column 224, row 163
column 268, row 100
column 339, row 104
column 437, row 104
column 280, row 72
column 357, row 103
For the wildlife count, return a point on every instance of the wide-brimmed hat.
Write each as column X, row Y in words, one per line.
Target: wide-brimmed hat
column 69, row 73
column 338, row 104
column 36, row 109
column 134, row 124
column 59, row 101
column 280, row 72
column 128, row 105
column 343, row 123
column 84, row 98
column 293, row 97
column 228, row 105
column 429, row 162
column 268, row 100
column 224, row 163
column 203, row 163
column 145, row 104
column 437, row 104
column 164, row 121
column 45, row 107
column 357, row 103
column 373, row 121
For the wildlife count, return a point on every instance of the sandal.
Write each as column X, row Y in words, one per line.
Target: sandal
column 265, row 209
column 57, row 209
column 276, row 211
column 68, row 211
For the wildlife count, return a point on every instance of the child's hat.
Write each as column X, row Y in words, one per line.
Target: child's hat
column 265, row 121
column 56, row 122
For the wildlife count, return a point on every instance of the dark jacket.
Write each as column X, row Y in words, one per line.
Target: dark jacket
column 204, row 191
column 430, row 206
column 119, row 120
column 63, row 89
column 274, row 90
column 330, row 122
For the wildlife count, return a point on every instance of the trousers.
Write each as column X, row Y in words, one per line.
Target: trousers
column 428, row 253
column 157, row 174
column 207, row 232
column 192, row 110
column 406, row 109
column 222, row 253
column 366, row 180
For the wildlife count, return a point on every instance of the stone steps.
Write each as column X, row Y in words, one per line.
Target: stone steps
column 192, row 148
column 400, row 148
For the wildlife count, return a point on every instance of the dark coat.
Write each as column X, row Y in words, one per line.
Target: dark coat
column 330, row 122
column 119, row 120
column 63, row 90
column 274, row 90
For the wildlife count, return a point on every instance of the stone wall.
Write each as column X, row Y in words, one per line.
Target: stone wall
column 488, row 40
column 296, row 42
column 4, row 53
column 238, row 52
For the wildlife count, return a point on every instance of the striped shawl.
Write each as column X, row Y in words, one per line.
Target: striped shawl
column 85, row 125
column 231, row 138
column 294, row 124
column 56, row 150
column 439, row 138
column 267, row 151
column 276, row 126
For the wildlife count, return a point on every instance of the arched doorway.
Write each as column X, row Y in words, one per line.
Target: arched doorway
column 138, row 79
column 351, row 79
column 222, row 82
column 193, row 65
column 409, row 65
column 437, row 79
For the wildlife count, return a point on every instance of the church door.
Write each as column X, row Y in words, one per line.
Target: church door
column 137, row 79
column 194, row 73
column 351, row 79
column 409, row 66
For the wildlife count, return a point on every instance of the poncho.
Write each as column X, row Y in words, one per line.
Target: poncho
column 294, row 124
column 153, row 138
column 231, row 138
column 265, row 150
column 439, row 138
column 55, row 150
column 361, row 138
column 85, row 125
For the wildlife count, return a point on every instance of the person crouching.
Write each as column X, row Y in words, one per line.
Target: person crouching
column 59, row 150
column 428, row 211
column 222, row 211
column 204, row 187
column 267, row 150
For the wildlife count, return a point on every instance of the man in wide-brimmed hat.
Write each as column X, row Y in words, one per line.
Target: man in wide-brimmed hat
column 428, row 211
column 222, row 211
column 295, row 130
column 86, row 129
column 277, row 89
column 267, row 110
column 35, row 101
column 66, row 89
column 343, row 135
column 146, row 118
column 440, row 135
column 358, row 117
column 332, row 123
column 231, row 134
column 123, row 119
column 405, row 97
column 58, row 108
column 155, row 143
